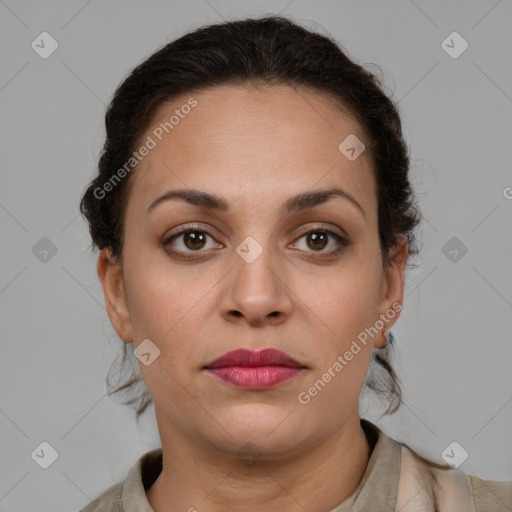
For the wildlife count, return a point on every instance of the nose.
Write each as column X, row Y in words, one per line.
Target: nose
column 256, row 293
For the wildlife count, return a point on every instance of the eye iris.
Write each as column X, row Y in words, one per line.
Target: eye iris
column 192, row 238
column 315, row 238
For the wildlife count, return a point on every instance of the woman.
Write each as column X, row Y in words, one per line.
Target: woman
column 254, row 218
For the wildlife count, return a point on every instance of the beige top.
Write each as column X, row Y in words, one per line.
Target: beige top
column 377, row 491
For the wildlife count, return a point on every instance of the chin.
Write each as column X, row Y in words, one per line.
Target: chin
column 265, row 427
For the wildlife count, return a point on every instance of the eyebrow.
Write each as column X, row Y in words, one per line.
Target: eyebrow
column 299, row 202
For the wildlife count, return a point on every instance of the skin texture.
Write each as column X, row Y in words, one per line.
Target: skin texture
column 255, row 147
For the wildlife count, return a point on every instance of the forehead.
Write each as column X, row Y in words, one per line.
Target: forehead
column 252, row 142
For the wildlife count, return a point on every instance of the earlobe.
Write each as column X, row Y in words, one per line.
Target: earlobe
column 393, row 282
column 112, row 281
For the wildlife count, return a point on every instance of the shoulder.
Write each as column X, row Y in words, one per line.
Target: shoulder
column 449, row 489
column 108, row 501
column 491, row 494
column 132, row 489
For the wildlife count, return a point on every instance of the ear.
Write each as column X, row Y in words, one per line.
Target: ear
column 111, row 277
column 392, row 289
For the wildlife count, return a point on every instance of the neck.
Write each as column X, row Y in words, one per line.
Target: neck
column 199, row 477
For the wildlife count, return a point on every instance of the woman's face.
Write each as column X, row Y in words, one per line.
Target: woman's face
column 248, row 275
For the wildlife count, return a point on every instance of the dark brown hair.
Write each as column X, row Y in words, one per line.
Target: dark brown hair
column 267, row 51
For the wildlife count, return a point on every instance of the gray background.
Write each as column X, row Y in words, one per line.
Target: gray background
column 454, row 340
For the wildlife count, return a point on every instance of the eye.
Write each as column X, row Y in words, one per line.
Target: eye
column 189, row 240
column 194, row 240
column 319, row 239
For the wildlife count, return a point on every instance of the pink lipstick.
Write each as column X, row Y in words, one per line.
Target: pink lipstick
column 255, row 370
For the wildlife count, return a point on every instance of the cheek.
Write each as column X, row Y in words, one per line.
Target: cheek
column 332, row 395
column 347, row 303
column 345, row 309
column 167, row 309
column 156, row 299
column 346, row 349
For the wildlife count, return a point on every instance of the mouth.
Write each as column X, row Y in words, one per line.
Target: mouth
column 255, row 370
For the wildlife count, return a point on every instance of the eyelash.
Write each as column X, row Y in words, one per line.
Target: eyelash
column 342, row 242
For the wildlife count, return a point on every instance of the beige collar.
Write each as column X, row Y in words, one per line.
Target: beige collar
column 422, row 488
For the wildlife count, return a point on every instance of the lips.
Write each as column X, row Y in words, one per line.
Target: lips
column 253, row 359
column 253, row 370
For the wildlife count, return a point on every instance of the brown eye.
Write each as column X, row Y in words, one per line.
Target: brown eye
column 317, row 240
column 194, row 239
column 191, row 240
